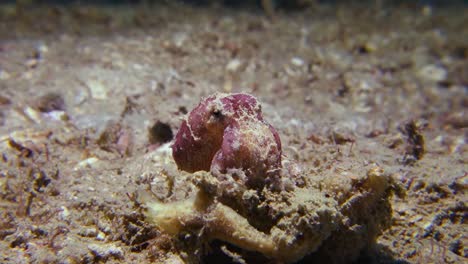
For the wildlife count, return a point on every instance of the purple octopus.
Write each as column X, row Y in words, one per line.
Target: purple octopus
column 227, row 131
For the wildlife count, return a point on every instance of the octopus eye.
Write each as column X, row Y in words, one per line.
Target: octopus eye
column 217, row 114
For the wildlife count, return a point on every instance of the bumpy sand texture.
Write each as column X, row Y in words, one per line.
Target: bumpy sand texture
column 325, row 215
column 364, row 100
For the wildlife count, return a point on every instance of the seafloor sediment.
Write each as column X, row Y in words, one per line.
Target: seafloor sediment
column 90, row 96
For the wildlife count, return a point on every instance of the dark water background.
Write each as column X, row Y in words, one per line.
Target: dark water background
column 279, row 3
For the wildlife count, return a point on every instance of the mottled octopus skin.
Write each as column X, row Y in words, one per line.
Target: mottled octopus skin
column 227, row 131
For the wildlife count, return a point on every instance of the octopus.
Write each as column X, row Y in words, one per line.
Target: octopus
column 228, row 131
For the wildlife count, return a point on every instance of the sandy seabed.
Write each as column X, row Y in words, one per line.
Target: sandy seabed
column 90, row 96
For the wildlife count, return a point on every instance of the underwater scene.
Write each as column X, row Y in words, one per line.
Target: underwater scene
column 249, row 131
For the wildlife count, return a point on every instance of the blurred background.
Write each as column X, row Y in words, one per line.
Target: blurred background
column 278, row 3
